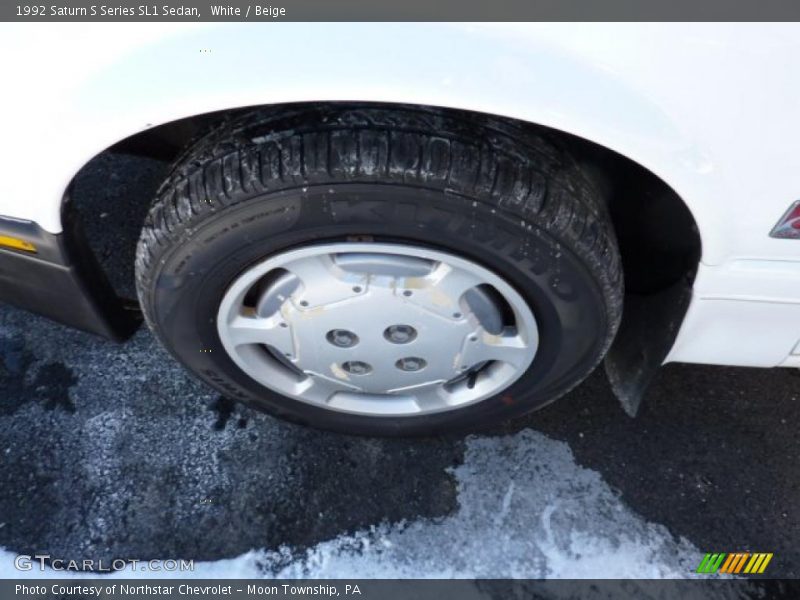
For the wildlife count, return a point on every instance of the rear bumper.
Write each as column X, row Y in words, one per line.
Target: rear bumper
column 61, row 280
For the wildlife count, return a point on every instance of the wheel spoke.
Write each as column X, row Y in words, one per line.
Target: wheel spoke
column 320, row 389
column 512, row 351
column 314, row 270
column 251, row 330
column 432, row 398
column 452, row 282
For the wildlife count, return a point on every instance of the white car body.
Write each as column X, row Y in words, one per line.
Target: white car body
column 711, row 109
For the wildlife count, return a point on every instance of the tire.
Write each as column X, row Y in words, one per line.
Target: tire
column 503, row 197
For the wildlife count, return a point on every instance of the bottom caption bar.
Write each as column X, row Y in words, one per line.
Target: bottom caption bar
column 386, row 589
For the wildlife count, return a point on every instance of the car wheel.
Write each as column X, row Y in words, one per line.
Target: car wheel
column 381, row 272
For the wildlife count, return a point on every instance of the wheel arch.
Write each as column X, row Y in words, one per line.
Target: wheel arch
column 168, row 86
column 650, row 218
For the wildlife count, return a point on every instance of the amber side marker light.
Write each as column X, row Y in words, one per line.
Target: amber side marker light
column 16, row 243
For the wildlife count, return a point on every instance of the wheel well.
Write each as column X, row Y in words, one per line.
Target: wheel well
column 658, row 238
column 657, row 235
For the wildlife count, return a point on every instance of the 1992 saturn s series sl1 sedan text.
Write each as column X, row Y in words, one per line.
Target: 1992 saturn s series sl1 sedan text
column 401, row 229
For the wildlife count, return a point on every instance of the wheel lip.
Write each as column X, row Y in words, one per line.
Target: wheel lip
column 234, row 295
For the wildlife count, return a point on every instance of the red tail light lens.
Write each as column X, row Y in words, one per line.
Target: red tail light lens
column 789, row 225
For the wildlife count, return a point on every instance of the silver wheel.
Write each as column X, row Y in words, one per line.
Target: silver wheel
column 377, row 329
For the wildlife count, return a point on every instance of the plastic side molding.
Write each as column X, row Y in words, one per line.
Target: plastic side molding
column 62, row 280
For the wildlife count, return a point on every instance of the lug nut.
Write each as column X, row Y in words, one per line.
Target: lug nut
column 400, row 334
column 342, row 338
column 411, row 363
column 356, row 367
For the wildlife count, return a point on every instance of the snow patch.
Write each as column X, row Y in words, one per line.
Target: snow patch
column 526, row 510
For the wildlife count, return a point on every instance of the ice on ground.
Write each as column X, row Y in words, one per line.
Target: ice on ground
column 525, row 510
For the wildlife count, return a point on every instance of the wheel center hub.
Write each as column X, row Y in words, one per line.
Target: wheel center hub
column 381, row 340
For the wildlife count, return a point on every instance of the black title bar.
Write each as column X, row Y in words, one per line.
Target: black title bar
column 403, row 10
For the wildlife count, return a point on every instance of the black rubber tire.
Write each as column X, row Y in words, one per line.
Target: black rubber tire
column 497, row 193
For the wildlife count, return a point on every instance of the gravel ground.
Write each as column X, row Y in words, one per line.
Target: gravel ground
column 114, row 451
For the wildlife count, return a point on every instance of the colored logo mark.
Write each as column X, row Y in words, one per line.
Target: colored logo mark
column 735, row 562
